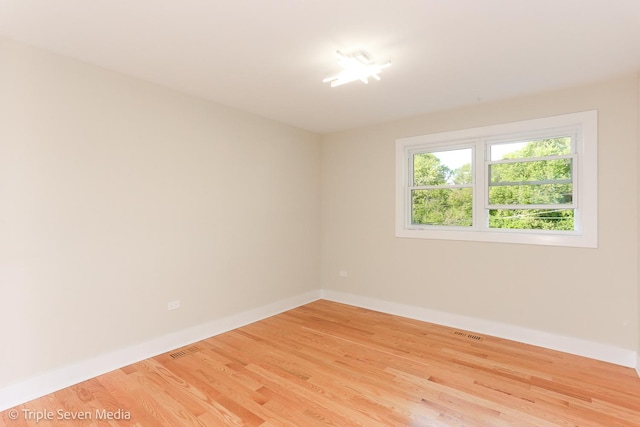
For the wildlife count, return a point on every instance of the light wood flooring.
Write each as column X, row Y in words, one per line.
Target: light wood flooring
column 329, row 364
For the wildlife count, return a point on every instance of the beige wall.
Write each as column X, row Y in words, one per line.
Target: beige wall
column 118, row 196
column 583, row 293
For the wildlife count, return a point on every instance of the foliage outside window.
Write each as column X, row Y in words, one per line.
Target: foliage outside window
column 523, row 182
column 440, row 194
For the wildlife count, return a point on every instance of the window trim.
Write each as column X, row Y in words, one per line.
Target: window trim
column 582, row 125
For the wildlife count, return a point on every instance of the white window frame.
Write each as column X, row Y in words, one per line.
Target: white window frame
column 582, row 127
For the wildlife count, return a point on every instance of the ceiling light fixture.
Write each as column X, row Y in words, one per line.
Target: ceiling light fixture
column 356, row 66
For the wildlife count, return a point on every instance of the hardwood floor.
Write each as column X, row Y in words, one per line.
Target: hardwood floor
column 332, row 364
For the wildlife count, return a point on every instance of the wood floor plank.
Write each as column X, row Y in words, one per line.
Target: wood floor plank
column 330, row 364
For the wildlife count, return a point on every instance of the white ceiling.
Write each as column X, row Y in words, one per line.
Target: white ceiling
column 269, row 56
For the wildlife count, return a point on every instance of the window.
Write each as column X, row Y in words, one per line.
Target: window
column 529, row 182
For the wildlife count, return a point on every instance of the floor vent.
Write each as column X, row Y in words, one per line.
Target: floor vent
column 184, row 352
column 467, row 335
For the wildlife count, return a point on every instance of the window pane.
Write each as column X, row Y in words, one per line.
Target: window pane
column 545, row 194
column 535, row 148
column 539, row 170
column 442, row 167
column 442, row 206
column 532, row 219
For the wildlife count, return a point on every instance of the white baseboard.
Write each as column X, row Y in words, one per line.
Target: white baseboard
column 638, row 365
column 577, row 346
column 49, row 382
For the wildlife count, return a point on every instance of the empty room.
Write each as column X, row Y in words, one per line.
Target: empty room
column 319, row 213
